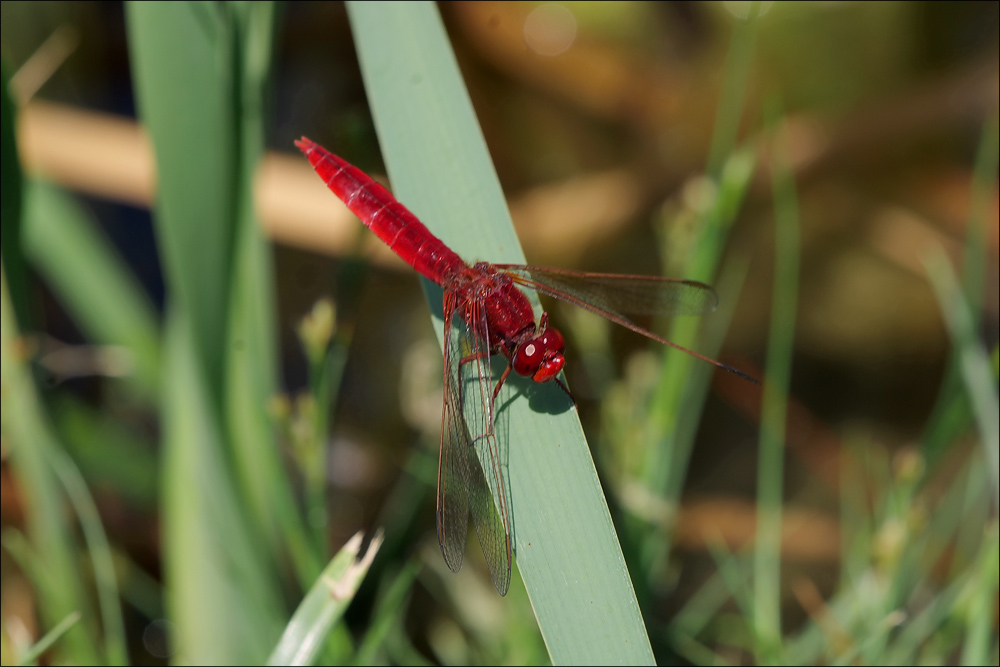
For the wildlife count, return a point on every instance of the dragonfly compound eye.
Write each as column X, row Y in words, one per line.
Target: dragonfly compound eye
column 553, row 340
column 549, row 368
column 540, row 358
column 528, row 357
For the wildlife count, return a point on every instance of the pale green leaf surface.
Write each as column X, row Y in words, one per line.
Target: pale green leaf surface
column 565, row 544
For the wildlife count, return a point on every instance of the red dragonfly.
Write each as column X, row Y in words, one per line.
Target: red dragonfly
column 486, row 314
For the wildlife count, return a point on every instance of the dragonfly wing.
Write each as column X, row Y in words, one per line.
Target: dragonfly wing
column 615, row 294
column 471, row 472
column 610, row 295
column 453, row 461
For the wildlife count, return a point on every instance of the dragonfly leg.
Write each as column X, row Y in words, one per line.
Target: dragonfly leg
column 566, row 389
column 496, row 391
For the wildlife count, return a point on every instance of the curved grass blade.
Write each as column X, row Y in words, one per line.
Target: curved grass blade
column 105, row 580
column 324, row 604
column 51, row 637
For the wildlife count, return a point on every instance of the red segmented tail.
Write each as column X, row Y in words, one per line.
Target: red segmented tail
column 381, row 213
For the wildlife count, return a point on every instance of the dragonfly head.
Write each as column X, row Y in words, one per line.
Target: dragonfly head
column 540, row 357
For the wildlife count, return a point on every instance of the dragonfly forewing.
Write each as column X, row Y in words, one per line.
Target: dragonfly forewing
column 615, row 294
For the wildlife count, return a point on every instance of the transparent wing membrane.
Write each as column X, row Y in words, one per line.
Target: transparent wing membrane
column 615, row 293
column 471, row 470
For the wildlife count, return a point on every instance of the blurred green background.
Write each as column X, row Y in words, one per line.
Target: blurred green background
column 213, row 376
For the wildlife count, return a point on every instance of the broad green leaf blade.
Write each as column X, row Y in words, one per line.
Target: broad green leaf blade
column 223, row 609
column 183, row 70
column 565, row 544
column 94, row 285
column 325, row 602
column 188, row 63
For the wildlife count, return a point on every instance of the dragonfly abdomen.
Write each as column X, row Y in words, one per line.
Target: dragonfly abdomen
column 383, row 214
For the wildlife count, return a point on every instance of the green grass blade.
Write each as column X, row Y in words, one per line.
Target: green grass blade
column 675, row 414
column 770, row 464
column 100, row 555
column 737, row 72
column 11, row 220
column 91, row 281
column 389, row 611
column 974, row 363
column 702, row 607
column 952, row 414
column 54, row 565
column 50, row 638
column 250, row 385
column 904, row 647
column 681, row 392
column 324, row 604
column 736, row 575
column 984, row 178
column 980, row 617
column 251, row 367
column 566, row 547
